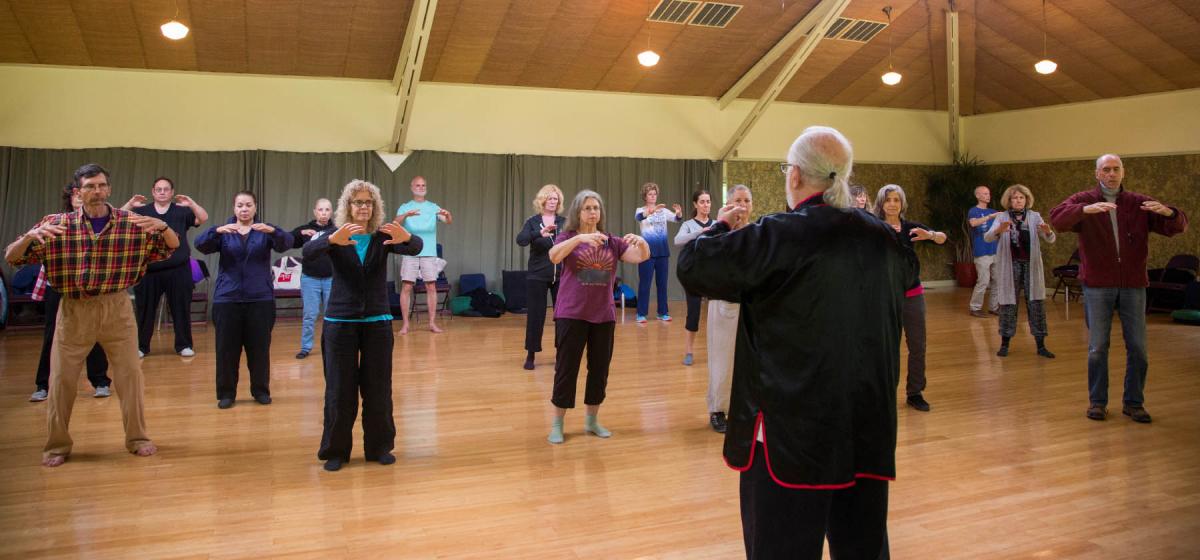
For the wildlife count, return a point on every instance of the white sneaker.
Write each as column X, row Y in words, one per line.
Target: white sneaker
column 39, row 395
column 103, row 392
column 141, row 354
column 187, row 352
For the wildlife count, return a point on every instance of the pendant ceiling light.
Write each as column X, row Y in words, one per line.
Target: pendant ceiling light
column 1045, row 65
column 174, row 29
column 648, row 57
column 892, row 77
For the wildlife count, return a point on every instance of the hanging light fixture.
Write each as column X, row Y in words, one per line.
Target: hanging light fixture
column 1045, row 65
column 174, row 30
column 648, row 57
column 892, row 77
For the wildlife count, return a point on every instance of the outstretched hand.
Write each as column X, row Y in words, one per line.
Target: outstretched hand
column 396, row 232
column 342, row 235
column 919, row 234
column 733, row 215
column 1157, row 207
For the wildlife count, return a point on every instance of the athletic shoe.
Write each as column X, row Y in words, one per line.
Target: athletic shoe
column 301, row 354
column 641, row 318
column 141, row 354
column 664, row 318
column 39, row 395
column 103, row 392
column 187, row 352
column 687, row 359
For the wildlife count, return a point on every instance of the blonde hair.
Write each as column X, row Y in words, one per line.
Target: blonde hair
column 343, row 215
column 539, row 200
column 1017, row 188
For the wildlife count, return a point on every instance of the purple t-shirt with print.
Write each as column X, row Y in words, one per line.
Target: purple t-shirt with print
column 586, row 289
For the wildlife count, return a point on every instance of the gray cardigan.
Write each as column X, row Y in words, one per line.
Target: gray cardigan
column 1006, row 291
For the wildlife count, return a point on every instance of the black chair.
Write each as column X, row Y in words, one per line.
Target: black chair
column 1068, row 277
column 1168, row 285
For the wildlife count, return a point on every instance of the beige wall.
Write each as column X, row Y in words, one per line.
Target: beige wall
column 205, row 111
column 1156, row 124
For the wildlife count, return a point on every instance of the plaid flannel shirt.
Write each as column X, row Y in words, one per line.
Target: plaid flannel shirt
column 82, row 264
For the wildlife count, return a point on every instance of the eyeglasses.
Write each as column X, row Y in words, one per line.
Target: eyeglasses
column 786, row 167
column 362, row 203
column 94, row 186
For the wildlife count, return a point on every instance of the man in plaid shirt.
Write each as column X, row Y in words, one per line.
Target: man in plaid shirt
column 92, row 256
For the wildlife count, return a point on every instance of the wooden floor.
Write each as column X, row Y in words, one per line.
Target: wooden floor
column 1005, row 466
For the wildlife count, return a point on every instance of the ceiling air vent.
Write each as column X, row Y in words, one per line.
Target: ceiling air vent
column 673, row 11
column 715, row 14
column 857, row 30
column 838, row 26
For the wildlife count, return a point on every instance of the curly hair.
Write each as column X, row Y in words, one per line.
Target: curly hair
column 539, row 200
column 343, row 215
column 1017, row 188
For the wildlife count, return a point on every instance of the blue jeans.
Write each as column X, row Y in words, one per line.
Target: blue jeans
column 315, row 292
column 650, row 269
column 1098, row 307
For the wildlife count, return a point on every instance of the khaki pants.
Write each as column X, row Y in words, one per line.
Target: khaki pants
column 722, row 341
column 107, row 319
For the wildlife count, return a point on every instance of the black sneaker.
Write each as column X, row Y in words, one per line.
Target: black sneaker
column 1002, row 352
column 717, row 421
column 263, row 399
column 225, row 403
column 918, row 402
column 1043, row 352
column 302, row 354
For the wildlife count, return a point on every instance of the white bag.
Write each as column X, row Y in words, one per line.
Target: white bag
column 285, row 274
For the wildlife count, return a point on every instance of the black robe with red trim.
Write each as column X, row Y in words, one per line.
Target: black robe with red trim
column 817, row 358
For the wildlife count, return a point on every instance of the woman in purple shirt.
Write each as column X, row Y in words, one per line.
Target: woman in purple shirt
column 583, row 313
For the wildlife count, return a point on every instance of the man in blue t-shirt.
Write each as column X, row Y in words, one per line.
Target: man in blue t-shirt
column 980, row 217
column 420, row 217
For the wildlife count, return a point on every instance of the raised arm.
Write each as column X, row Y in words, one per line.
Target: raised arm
column 722, row 264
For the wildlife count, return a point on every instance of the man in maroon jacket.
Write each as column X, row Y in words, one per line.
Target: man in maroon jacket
column 1114, row 227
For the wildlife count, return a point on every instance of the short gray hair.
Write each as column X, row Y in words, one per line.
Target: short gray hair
column 1101, row 158
column 735, row 188
column 824, row 157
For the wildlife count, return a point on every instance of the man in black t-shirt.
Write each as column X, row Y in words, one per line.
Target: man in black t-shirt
column 173, row 276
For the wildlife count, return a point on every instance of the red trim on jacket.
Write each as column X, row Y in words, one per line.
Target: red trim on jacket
column 759, row 424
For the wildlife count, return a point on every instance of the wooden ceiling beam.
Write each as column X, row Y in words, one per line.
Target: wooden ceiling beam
column 829, row 11
column 952, row 87
column 408, row 68
column 798, row 32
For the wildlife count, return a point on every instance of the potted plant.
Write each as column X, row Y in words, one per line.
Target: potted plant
column 950, row 193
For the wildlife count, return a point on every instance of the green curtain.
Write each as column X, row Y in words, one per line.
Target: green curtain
column 489, row 195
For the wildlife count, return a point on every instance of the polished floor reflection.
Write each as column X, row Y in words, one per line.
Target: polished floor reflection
column 1005, row 466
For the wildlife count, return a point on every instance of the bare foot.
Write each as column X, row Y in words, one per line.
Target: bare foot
column 434, row 328
column 54, row 460
column 404, row 329
column 146, row 450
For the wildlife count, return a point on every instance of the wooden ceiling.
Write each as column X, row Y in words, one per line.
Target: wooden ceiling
column 1104, row 48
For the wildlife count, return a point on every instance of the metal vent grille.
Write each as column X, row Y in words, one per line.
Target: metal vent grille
column 857, row 30
column 838, row 27
column 715, row 14
column 673, row 11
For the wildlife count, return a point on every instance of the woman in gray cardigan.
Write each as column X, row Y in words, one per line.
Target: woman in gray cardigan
column 1019, row 265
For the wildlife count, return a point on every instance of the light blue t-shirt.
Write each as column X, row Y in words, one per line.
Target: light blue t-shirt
column 364, row 242
column 423, row 225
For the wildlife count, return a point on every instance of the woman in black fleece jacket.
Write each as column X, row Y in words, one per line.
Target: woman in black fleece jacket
column 356, row 342
column 538, row 234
